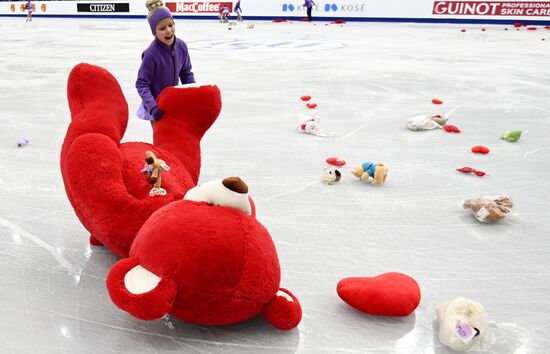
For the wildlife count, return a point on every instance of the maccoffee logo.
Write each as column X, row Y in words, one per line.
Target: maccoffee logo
column 492, row 8
column 102, row 7
column 198, row 7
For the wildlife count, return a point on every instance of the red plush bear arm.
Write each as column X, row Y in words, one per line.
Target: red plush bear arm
column 188, row 113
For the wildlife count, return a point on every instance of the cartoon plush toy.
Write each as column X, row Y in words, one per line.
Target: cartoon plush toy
column 154, row 168
column 310, row 125
column 205, row 259
column 376, row 173
column 331, row 173
column 489, row 209
column 463, row 324
column 426, row 122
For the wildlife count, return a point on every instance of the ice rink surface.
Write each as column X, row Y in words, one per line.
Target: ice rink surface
column 367, row 79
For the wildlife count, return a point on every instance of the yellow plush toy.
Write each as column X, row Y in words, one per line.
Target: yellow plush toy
column 154, row 168
column 375, row 173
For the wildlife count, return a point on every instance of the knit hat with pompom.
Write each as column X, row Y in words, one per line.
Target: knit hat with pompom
column 157, row 12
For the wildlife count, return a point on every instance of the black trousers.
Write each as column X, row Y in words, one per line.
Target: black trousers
column 309, row 12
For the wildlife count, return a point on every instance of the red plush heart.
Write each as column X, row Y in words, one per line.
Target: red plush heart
column 465, row 169
column 305, row 98
column 471, row 170
column 388, row 294
column 480, row 149
column 436, row 101
column 518, row 24
column 449, row 128
column 531, row 28
column 311, row 105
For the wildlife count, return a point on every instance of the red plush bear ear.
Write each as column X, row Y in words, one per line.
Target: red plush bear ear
column 388, row 294
column 140, row 292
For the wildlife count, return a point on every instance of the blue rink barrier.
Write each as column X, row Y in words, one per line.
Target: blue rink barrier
column 315, row 19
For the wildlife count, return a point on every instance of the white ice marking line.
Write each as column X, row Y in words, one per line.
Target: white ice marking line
column 352, row 132
column 60, row 259
column 291, row 191
column 535, row 151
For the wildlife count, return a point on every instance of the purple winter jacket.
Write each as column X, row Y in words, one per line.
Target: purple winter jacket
column 162, row 66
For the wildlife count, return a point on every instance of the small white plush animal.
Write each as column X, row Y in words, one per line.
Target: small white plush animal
column 425, row 122
column 463, row 324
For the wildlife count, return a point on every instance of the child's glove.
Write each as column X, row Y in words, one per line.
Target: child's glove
column 156, row 113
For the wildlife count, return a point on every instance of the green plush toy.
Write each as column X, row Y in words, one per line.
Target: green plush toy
column 511, row 135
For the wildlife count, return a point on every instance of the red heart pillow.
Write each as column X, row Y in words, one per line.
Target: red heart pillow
column 388, row 294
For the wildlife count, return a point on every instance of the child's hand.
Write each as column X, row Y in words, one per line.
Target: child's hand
column 156, row 113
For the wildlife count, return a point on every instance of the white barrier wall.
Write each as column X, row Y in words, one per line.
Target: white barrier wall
column 368, row 10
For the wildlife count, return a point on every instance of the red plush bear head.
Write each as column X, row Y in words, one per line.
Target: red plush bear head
column 205, row 259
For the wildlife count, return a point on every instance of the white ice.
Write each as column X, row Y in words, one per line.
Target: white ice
column 367, row 79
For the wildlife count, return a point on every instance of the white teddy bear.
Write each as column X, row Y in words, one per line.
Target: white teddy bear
column 463, row 324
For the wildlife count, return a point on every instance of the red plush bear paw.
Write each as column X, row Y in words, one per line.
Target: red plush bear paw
column 388, row 294
column 283, row 311
column 138, row 291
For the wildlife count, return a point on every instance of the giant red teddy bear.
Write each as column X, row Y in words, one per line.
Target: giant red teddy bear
column 203, row 261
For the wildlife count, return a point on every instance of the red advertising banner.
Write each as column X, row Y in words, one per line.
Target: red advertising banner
column 198, row 7
column 492, row 8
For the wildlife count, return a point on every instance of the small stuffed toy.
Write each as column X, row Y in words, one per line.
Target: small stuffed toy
column 511, row 135
column 375, row 173
column 154, row 168
column 463, row 324
column 310, row 125
column 425, row 122
column 331, row 174
column 489, row 209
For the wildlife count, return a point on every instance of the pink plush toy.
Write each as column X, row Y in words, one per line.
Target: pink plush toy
column 205, row 259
